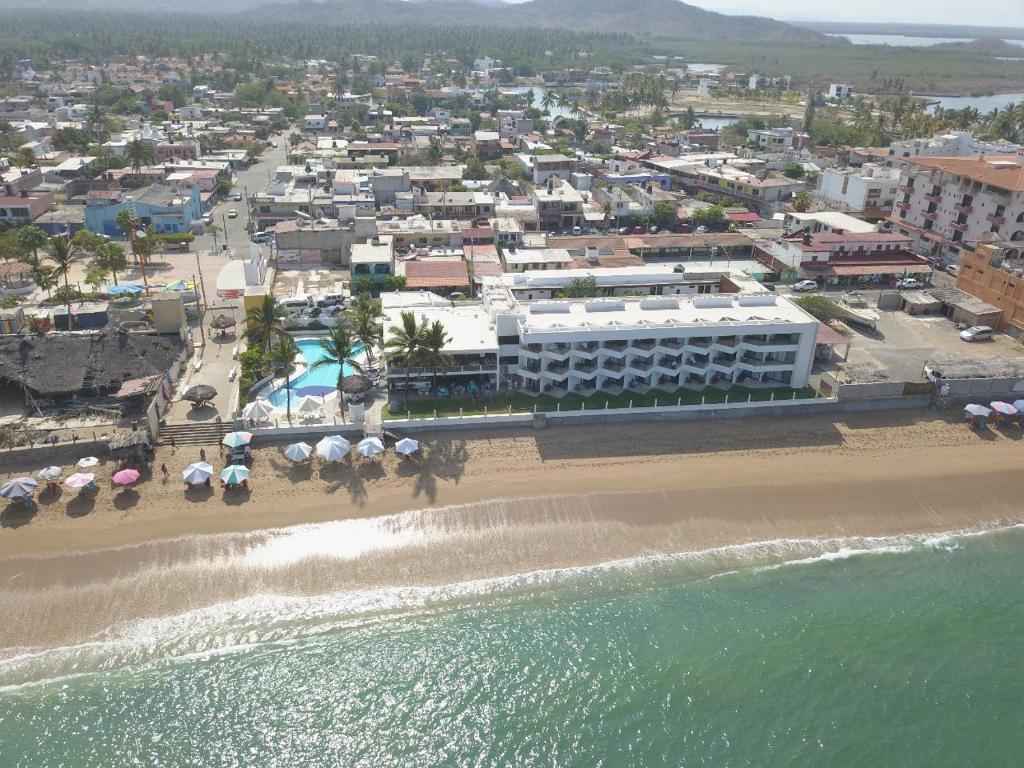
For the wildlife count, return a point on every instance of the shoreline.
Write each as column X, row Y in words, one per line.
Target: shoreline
column 498, row 505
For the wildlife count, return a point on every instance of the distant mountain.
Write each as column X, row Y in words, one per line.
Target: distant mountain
column 657, row 18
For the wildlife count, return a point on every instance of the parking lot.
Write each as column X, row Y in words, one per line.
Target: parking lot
column 902, row 344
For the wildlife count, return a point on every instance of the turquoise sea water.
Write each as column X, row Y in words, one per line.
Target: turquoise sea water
column 909, row 654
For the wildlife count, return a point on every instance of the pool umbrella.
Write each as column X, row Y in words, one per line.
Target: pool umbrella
column 88, row 461
column 50, row 474
column 18, row 488
column 222, row 323
column 198, row 473
column 333, row 448
column 298, row 452
column 234, row 474
column 80, row 480
column 977, row 410
column 200, row 393
column 309, row 405
column 356, row 385
column 126, row 477
column 370, row 447
column 407, row 446
column 235, row 439
column 259, row 409
column 1004, row 408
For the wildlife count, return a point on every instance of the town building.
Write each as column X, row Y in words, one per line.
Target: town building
column 950, row 144
column 995, row 275
column 840, row 91
column 25, row 206
column 166, row 209
column 950, row 203
column 418, row 233
column 870, row 190
column 846, row 258
column 558, row 204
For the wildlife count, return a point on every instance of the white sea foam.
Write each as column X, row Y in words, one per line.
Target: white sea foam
column 266, row 620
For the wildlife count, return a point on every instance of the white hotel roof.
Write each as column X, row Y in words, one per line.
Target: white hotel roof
column 656, row 312
column 467, row 325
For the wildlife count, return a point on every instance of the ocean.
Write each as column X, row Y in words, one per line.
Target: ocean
column 902, row 651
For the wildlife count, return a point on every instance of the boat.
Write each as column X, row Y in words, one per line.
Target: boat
column 854, row 308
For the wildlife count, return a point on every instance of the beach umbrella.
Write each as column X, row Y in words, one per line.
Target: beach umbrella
column 126, row 477
column 333, row 448
column 200, row 393
column 309, row 405
column 1019, row 405
column 259, row 409
column 977, row 410
column 195, row 474
column 80, row 480
column 298, row 452
column 123, row 289
column 1004, row 408
column 235, row 439
column 356, row 384
column 222, row 323
column 88, row 461
column 18, row 488
column 234, row 474
column 370, row 447
column 407, row 446
column 179, row 285
column 50, row 474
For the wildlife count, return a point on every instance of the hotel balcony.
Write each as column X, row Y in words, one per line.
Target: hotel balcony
column 697, row 363
column 775, row 340
column 584, row 388
column 615, row 346
column 529, row 371
column 587, row 349
column 671, row 345
column 933, row 199
column 726, row 341
column 557, row 369
column 669, row 362
column 932, row 216
column 584, row 367
column 999, row 220
column 641, row 364
column 907, row 189
column 961, row 208
column 645, row 344
column 556, row 351
column 903, row 206
column 700, row 343
column 531, row 351
column 959, row 227
column 615, row 366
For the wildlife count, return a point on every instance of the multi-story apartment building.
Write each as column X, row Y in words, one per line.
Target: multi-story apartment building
column 419, row 232
column 870, row 189
column 559, row 205
column 637, row 343
column 848, row 258
column 718, row 174
column 455, row 205
column 951, row 144
column 996, row 276
column 949, row 203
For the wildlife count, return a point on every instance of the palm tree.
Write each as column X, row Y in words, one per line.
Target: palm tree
column 281, row 357
column 213, row 229
column 404, row 346
column 339, row 348
column 264, row 323
column 365, row 326
column 138, row 153
column 110, row 256
column 435, row 152
column 43, row 277
column 95, row 119
column 548, row 100
column 25, row 157
column 62, row 254
column 32, row 239
column 432, row 355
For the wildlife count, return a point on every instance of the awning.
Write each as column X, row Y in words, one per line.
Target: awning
column 864, row 270
column 829, row 335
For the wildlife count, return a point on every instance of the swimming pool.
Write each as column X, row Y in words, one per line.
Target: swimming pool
column 314, row 381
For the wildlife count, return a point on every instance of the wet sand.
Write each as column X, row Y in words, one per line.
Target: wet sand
column 491, row 505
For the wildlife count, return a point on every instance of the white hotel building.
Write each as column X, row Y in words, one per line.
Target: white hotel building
column 617, row 343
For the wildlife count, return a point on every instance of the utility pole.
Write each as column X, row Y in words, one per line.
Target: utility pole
column 224, row 220
column 133, row 219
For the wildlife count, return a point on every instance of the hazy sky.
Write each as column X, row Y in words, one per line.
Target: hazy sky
column 993, row 13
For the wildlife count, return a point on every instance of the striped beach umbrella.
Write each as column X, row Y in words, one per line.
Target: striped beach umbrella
column 236, row 439
column 234, row 474
column 197, row 473
column 80, row 480
column 18, row 488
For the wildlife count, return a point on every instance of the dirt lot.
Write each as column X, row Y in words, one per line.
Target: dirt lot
column 313, row 282
column 903, row 343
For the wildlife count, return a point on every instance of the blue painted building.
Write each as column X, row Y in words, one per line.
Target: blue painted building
column 166, row 209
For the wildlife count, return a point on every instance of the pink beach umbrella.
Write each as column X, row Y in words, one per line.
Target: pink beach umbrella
column 126, row 477
column 1004, row 408
column 80, row 480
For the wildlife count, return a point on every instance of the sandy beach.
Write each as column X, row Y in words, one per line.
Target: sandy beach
column 490, row 505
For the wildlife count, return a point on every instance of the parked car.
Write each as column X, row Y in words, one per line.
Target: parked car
column 577, row 230
column 232, row 214
column 207, row 218
column 909, row 283
column 638, row 230
column 976, row 333
column 330, row 300
column 952, row 269
column 805, row 285
column 701, row 230
column 653, row 230
column 261, row 237
column 237, row 197
column 623, row 230
column 273, row 144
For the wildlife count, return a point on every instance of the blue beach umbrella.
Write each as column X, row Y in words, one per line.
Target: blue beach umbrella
column 18, row 488
column 234, row 474
column 235, row 439
column 123, row 289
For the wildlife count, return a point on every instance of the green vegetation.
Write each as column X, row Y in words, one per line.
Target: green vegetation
column 422, row 408
column 580, row 288
column 819, row 308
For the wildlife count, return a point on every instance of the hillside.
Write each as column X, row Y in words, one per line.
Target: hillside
column 655, row 18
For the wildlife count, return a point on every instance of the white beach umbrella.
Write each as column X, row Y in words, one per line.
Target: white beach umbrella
column 259, row 409
column 79, row 479
column 333, row 448
column 237, row 439
column 309, row 405
column 407, row 446
column 298, row 452
column 88, row 461
column 977, row 410
column 197, row 473
column 18, row 488
column 370, row 447
column 50, row 474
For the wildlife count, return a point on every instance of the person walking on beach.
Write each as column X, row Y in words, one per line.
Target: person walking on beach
column 202, row 454
column 166, row 474
column 173, row 446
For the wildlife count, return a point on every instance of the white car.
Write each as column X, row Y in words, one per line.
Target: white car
column 232, row 213
column 909, row 283
column 805, row 285
column 976, row 333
